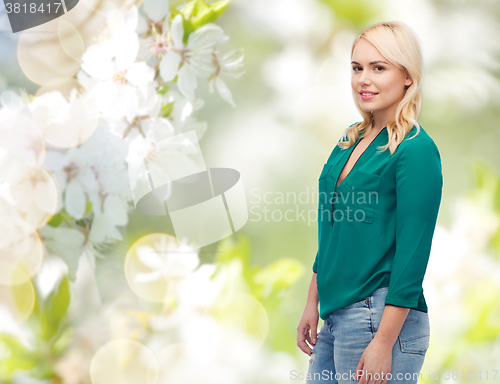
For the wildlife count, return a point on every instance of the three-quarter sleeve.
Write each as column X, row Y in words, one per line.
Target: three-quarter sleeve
column 315, row 265
column 419, row 184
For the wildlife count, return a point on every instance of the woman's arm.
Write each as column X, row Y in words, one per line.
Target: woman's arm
column 391, row 323
column 419, row 182
column 377, row 357
column 309, row 320
column 312, row 296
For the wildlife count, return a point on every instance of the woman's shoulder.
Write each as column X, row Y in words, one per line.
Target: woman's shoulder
column 337, row 149
column 418, row 142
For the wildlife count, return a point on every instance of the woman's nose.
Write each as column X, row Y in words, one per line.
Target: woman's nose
column 364, row 79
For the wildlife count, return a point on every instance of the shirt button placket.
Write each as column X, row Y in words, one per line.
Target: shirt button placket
column 333, row 206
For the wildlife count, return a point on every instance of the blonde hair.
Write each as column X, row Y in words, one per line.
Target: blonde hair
column 399, row 44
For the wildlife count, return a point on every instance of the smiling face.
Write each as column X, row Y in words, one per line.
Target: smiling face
column 373, row 73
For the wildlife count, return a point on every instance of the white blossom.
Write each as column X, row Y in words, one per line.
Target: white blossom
column 156, row 10
column 67, row 243
column 191, row 60
column 229, row 64
column 148, row 119
column 113, row 62
column 74, row 179
column 181, row 117
column 13, row 104
column 64, row 123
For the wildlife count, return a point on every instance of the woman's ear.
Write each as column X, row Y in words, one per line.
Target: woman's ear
column 408, row 82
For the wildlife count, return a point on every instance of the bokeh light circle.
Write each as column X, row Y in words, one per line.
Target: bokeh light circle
column 42, row 57
column 20, row 246
column 155, row 264
column 63, row 85
column 30, row 192
column 64, row 123
column 20, row 138
column 70, row 39
column 243, row 312
column 175, row 362
column 124, row 362
column 16, row 292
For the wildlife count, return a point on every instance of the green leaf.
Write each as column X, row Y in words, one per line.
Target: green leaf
column 187, row 10
column 55, row 308
column 197, row 13
column 82, row 222
column 14, row 355
column 174, row 4
column 174, row 12
column 88, row 208
column 167, row 109
column 211, row 13
column 163, row 89
column 63, row 341
column 496, row 197
column 482, row 332
column 481, row 301
column 56, row 220
column 34, row 321
column 44, row 370
column 496, row 243
column 278, row 276
column 227, row 251
column 485, row 176
column 355, row 13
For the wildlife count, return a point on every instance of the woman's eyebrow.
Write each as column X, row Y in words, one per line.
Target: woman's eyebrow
column 373, row 62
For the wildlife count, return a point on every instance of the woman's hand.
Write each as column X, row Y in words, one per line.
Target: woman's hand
column 375, row 360
column 308, row 328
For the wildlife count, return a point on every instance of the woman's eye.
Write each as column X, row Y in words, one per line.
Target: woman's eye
column 378, row 66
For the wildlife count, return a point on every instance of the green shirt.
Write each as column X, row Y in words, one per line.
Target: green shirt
column 375, row 230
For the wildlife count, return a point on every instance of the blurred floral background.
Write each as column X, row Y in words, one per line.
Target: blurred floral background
column 88, row 290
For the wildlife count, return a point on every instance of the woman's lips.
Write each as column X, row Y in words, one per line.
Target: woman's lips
column 368, row 97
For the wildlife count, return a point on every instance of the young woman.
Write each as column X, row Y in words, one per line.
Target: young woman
column 376, row 218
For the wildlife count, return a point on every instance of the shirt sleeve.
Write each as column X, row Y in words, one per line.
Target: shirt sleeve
column 315, row 265
column 419, row 184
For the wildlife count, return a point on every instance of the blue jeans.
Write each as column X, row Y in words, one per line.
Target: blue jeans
column 347, row 332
